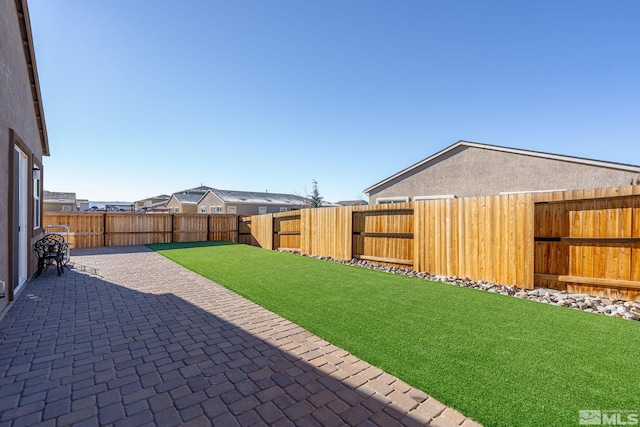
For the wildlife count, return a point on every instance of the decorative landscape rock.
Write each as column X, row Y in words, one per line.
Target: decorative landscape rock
column 615, row 308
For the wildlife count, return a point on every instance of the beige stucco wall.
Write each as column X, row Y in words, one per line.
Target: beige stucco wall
column 210, row 200
column 182, row 207
column 17, row 113
column 472, row 171
column 173, row 203
column 189, row 208
column 58, row 207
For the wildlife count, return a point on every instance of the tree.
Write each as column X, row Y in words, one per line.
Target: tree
column 315, row 201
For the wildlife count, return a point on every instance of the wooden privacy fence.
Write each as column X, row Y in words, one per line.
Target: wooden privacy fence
column 583, row 241
column 485, row 238
column 91, row 229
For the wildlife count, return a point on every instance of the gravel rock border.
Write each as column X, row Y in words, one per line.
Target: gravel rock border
column 611, row 307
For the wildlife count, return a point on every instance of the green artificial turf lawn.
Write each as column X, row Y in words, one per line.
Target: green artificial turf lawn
column 499, row 360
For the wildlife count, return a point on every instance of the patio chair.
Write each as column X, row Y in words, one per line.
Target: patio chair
column 61, row 230
column 49, row 250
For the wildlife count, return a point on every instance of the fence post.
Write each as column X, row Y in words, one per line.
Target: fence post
column 273, row 233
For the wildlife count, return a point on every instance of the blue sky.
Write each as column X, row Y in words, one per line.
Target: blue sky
column 150, row 97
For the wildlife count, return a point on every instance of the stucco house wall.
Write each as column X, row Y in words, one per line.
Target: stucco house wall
column 254, row 209
column 21, row 125
column 470, row 170
column 58, row 207
column 177, row 206
column 172, row 204
column 53, row 201
column 211, row 200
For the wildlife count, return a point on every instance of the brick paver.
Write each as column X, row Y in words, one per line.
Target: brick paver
column 127, row 337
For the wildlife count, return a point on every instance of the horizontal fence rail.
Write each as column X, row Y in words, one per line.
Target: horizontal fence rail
column 582, row 241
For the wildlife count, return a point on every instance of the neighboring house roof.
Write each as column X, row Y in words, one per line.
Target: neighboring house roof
column 56, row 197
column 195, row 195
column 252, row 197
column 161, row 203
column 197, row 190
column 163, row 197
column 190, row 196
column 30, row 57
column 571, row 159
column 352, row 203
column 188, row 199
column 326, row 204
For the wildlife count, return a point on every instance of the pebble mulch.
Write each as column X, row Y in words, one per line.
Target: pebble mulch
column 611, row 307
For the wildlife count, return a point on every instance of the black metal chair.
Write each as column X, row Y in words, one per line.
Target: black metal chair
column 50, row 249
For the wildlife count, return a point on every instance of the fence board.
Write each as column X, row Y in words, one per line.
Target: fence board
column 497, row 228
column 529, row 242
column 482, row 232
column 461, row 233
column 506, row 223
column 262, row 230
column 223, row 227
column 511, row 242
column 452, row 237
column 585, row 263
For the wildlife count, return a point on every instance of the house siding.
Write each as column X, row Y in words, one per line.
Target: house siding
column 471, row 171
column 174, row 203
column 18, row 125
column 253, row 209
column 210, row 199
column 59, row 207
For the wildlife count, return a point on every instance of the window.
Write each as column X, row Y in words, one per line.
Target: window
column 203, row 209
column 216, row 209
column 36, row 198
column 175, row 210
column 66, row 208
column 262, row 210
column 231, row 210
column 283, row 209
column 389, row 200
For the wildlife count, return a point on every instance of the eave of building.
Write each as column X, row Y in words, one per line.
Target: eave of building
column 30, row 57
column 540, row 154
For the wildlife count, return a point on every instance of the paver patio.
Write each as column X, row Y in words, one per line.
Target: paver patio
column 129, row 338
